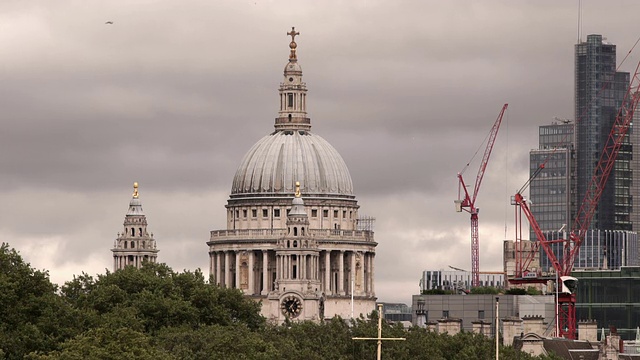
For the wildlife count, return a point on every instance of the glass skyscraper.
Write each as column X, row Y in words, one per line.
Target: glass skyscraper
column 550, row 193
column 570, row 153
column 599, row 93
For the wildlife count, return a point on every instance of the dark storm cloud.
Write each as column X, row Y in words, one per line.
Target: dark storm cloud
column 172, row 95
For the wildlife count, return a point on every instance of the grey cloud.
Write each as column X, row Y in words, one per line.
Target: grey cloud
column 172, row 96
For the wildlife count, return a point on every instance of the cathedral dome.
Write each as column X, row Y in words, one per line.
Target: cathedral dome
column 292, row 153
column 277, row 161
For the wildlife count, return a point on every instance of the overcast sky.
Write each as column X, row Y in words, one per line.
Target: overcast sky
column 173, row 94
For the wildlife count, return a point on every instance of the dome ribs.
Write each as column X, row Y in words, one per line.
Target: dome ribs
column 277, row 161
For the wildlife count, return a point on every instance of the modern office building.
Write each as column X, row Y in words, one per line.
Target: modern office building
column 600, row 250
column 611, row 298
column 570, row 151
column 453, row 280
column 397, row 312
column 599, row 93
column 552, row 201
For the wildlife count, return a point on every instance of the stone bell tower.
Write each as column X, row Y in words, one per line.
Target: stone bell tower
column 134, row 245
column 298, row 288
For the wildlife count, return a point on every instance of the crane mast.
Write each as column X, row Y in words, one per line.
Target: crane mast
column 566, row 298
column 468, row 202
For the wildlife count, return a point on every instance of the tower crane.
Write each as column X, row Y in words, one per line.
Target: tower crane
column 468, row 202
column 565, row 290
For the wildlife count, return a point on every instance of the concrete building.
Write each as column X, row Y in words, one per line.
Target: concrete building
column 135, row 244
column 476, row 312
column 302, row 250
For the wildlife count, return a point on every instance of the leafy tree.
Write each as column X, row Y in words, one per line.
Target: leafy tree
column 160, row 298
column 516, row 291
column 437, row 292
column 32, row 316
column 485, row 290
column 107, row 343
column 231, row 342
column 531, row 290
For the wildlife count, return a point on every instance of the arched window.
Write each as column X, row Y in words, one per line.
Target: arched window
column 295, row 231
column 289, row 117
column 295, row 243
column 302, row 231
column 288, row 244
column 140, row 231
column 133, row 245
column 144, row 243
column 125, row 244
column 133, row 232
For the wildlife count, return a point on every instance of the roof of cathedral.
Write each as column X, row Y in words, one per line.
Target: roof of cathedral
column 292, row 153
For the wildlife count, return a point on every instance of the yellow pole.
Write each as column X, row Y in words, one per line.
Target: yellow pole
column 379, row 330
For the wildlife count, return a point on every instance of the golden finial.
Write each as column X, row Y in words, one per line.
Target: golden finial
column 293, row 44
column 135, row 190
column 297, row 189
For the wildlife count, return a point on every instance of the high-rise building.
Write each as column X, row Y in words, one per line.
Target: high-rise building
column 135, row 245
column 294, row 240
column 570, row 153
column 599, row 93
column 552, row 199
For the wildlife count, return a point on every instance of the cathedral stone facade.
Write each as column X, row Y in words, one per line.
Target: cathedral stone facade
column 134, row 245
column 294, row 240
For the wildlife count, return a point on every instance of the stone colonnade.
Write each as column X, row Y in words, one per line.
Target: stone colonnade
column 120, row 261
column 256, row 272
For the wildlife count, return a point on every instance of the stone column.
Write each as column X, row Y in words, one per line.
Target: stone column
column 237, row 285
column 212, row 256
column 327, row 272
column 252, row 274
column 369, row 273
column 352, row 274
column 219, row 268
column 265, row 272
column 341, row 272
column 302, row 264
column 278, row 267
column 373, row 283
column 314, row 267
column 363, row 281
column 227, row 268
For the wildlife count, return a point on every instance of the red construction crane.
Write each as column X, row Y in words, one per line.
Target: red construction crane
column 566, row 297
column 468, row 203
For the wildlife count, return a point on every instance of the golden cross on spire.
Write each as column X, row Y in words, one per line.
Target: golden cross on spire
column 135, row 190
column 293, row 34
column 293, row 44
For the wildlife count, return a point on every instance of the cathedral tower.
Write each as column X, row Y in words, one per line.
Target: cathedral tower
column 134, row 245
column 330, row 269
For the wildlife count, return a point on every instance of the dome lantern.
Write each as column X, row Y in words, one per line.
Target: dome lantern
column 293, row 94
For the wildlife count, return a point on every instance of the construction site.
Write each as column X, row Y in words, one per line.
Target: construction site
column 574, row 243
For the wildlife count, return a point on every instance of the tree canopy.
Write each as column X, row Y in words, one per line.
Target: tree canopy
column 156, row 313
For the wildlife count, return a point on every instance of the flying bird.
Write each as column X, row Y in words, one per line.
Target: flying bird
column 109, row 22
